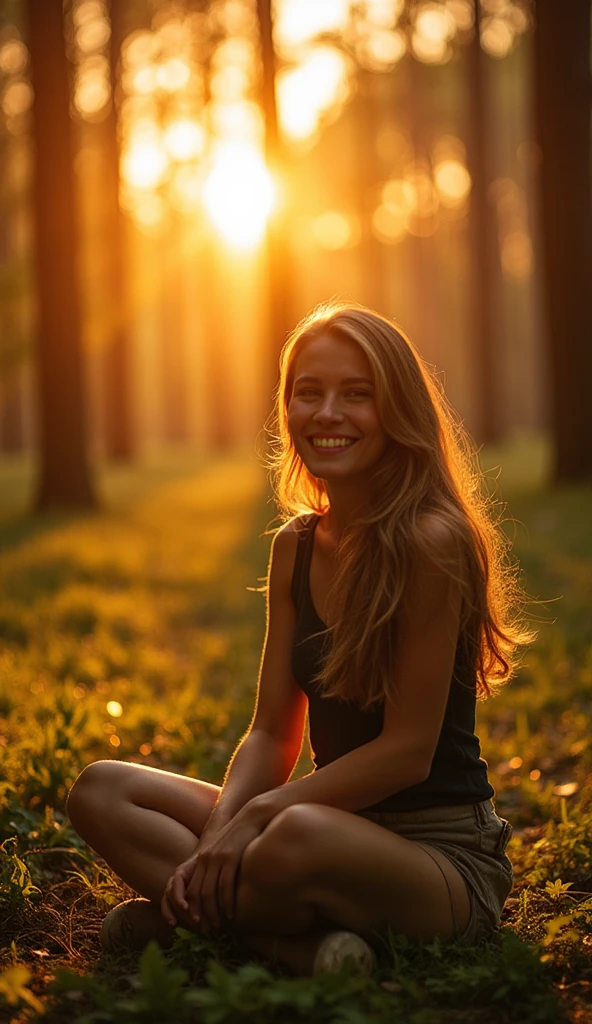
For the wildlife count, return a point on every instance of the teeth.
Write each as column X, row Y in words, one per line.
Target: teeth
column 332, row 442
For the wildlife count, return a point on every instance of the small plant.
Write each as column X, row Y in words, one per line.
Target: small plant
column 17, row 891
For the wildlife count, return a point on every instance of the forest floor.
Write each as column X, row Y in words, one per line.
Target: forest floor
column 134, row 632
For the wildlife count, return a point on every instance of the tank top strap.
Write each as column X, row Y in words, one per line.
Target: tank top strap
column 305, row 534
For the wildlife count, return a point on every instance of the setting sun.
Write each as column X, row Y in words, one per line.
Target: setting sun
column 239, row 193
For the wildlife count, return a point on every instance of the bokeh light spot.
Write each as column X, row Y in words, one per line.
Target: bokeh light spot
column 334, row 230
column 13, row 57
column 114, row 709
column 17, row 99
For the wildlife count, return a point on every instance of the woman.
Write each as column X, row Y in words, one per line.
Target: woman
column 390, row 609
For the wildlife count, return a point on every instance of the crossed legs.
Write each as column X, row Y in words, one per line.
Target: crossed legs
column 313, row 868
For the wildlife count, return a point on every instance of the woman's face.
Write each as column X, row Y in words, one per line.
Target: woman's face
column 332, row 414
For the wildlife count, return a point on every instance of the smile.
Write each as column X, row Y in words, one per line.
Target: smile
column 332, row 442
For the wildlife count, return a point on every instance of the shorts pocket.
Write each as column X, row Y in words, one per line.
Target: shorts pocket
column 494, row 832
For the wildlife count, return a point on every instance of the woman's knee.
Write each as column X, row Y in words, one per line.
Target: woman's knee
column 96, row 785
column 285, row 852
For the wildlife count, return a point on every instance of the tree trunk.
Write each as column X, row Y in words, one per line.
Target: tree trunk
column 65, row 477
column 563, row 93
column 119, row 437
column 482, row 244
column 277, row 255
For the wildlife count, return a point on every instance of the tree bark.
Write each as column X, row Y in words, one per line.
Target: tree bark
column 64, row 477
column 563, row 94
column 482, row 243
column 119, row 435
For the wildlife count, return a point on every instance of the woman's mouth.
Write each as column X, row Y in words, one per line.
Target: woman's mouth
column 332, row 443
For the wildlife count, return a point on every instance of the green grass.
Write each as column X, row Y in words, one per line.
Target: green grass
column 145, row 605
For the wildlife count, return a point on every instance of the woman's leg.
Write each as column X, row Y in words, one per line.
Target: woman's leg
column 144, row 822
column 353, row 873
column 314, row 867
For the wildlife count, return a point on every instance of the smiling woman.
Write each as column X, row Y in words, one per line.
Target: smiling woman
column 390, row 609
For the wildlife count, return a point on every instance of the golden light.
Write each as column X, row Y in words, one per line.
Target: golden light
column 518, row 18
column 145, row 79
column 13, row 57
column 497, row 37
column 87, row 11
column 230, row 83
column 186, row 189
column 393, row 143
column 382, row 50
column 114, row 709
column 463, row 13
column 93, row 89
column 389, row 226
column 145, row 163
column 139, row 48
column 184, row 139
column 427, row 197
column 149, row 213
column 399, row 197
column 298, row 21
column 242, row 120
column 335, row 230
column 517, row 255
column 434, row 27
column 17, row 99
column 449, row 147
column 453, row 182
column 382, row 13
column 305, row 92
column 429, row 51
column 435, row 24
column 239, row 193
column 173, row 75
column 93, row 35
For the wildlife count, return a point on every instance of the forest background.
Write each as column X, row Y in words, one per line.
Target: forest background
column 180, row 182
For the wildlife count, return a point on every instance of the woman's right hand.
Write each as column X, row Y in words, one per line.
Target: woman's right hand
column 174, row 906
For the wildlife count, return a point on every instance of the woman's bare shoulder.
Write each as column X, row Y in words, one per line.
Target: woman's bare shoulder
column 438, row 536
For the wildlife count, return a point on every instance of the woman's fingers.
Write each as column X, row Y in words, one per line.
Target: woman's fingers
column 178, row 887
column 193, row 892
column 174, row 903
column 209, row 897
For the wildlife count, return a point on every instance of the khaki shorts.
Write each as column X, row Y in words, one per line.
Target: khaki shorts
column 474, row 839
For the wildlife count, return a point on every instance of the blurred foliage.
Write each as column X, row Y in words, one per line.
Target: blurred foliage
column 132, row 633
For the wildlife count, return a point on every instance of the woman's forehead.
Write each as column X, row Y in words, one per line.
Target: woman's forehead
column 331, row 353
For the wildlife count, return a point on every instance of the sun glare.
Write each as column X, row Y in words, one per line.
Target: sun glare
column 305, row 92
column 239, row 193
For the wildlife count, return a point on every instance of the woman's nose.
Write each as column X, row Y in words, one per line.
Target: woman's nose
column 329, row 410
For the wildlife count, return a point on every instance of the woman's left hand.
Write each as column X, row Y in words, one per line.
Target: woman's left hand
column 211, row 891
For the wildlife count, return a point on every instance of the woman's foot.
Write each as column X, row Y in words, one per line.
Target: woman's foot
column 133, row 924
column 337, row 947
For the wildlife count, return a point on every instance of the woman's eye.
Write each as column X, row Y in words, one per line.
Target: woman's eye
column 354, row 393
column 306, row 392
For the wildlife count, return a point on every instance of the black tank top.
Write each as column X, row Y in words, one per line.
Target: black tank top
column 458, row 774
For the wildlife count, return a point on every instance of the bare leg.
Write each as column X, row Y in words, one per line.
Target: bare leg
column 145, row 822
column 314, row 867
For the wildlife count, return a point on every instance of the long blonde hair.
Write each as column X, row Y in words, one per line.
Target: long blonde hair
column 438, row 474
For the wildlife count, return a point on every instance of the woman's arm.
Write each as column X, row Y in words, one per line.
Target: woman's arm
column 401, row 756
column 262, row 761
column 266, row 755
